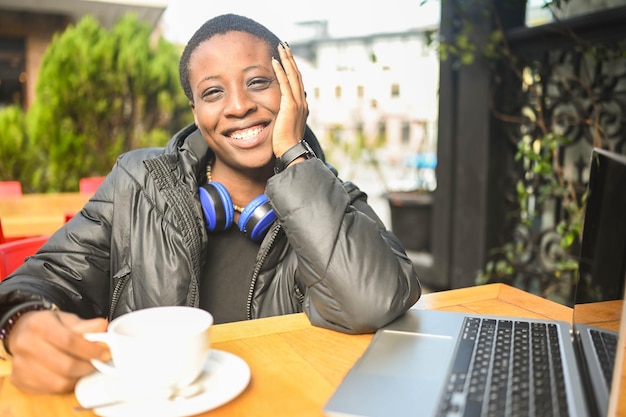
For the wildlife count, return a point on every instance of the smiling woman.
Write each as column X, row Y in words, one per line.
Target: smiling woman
column 305, row 240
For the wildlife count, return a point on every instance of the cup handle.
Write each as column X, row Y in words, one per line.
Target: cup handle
column 104, row 368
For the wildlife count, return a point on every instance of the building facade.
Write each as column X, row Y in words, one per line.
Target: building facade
column 377, row 91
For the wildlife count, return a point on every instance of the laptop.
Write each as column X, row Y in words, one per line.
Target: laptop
column 436, row 363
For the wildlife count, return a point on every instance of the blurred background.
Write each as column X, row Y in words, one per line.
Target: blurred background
column 468, row 124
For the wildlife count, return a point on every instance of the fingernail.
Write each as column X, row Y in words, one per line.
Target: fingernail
column 105, row 356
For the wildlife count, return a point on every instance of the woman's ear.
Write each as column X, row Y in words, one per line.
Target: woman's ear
column 193, row 110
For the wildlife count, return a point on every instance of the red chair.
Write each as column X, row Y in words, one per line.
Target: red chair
column 2, row 238
column 69, row 215
column 10, row 189
column 13, row 254
column 89, row 185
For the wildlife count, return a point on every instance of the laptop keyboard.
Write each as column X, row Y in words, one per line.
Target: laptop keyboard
column 506, row 368
column 605, row 345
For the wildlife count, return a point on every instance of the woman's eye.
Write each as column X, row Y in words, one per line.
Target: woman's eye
column 260, row 83
column 211, row 94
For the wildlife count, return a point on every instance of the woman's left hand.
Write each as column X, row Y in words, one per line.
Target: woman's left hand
column 294, row 110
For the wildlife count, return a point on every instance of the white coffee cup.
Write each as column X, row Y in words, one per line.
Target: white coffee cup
column 157, row 350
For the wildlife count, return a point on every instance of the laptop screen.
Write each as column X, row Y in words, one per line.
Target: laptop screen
column 603, row 250
column 602, row 272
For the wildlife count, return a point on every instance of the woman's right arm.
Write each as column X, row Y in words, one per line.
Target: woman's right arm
column 71, row 273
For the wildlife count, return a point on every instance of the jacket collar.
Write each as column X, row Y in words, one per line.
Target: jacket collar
column 189, row 145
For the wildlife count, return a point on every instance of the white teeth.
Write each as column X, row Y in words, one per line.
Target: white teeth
column 246, row 134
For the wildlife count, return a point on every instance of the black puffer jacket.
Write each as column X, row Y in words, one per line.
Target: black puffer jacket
column 139, row 242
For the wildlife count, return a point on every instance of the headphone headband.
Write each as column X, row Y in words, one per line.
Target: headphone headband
column 219, row 214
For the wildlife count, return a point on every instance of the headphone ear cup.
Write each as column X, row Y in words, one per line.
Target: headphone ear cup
column 217, row 206
column 256, row 218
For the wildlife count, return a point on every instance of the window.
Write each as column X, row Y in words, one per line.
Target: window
column 395, row 90
column 406, row 132
column 12, row 72
column 382, row 130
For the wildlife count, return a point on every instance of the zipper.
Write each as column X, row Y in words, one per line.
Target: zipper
column 257, row 270
column 117, row 292
column 164, row 174
column 299, row 294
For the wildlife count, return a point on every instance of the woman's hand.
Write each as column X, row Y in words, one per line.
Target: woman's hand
column 50, row 353
column 291, row 120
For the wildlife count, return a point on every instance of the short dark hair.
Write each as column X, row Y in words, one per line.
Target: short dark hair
column 221, row 25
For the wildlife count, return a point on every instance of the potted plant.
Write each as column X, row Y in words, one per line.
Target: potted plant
column 411, row 206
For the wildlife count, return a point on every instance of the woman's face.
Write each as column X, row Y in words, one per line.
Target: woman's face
column 236, row 98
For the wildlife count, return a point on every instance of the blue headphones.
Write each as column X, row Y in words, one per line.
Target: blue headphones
column 219, row 212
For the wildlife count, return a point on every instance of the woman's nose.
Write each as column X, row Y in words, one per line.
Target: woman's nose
column 239, row 103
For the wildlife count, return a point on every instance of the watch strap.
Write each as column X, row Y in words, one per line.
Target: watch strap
column 301, row 148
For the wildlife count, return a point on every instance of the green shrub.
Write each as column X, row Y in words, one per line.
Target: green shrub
column 19, row 158
column 100, row 93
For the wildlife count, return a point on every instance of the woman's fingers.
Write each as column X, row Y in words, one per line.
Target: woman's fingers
column 50, row 353
column 293, row 73
column 291, row 118
column 46, row 370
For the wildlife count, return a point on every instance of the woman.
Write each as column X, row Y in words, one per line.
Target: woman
column 236, row 215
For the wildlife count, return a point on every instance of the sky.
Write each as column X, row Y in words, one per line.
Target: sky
column 345, row 17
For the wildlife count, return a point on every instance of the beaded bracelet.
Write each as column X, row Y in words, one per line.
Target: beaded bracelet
column 14, row 314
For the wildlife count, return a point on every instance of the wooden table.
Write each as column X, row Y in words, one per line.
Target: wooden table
column 38, row 214
column 295, row 366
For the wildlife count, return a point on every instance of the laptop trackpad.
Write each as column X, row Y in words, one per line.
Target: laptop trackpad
column 408, row 354
column 401, row 374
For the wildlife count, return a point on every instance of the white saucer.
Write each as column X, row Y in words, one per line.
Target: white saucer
column 225, row 376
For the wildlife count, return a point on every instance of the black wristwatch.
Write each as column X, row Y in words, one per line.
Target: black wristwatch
column 299, row 149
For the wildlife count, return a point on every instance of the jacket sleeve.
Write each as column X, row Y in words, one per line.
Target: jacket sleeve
column 357, row 275
column 71, row 269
